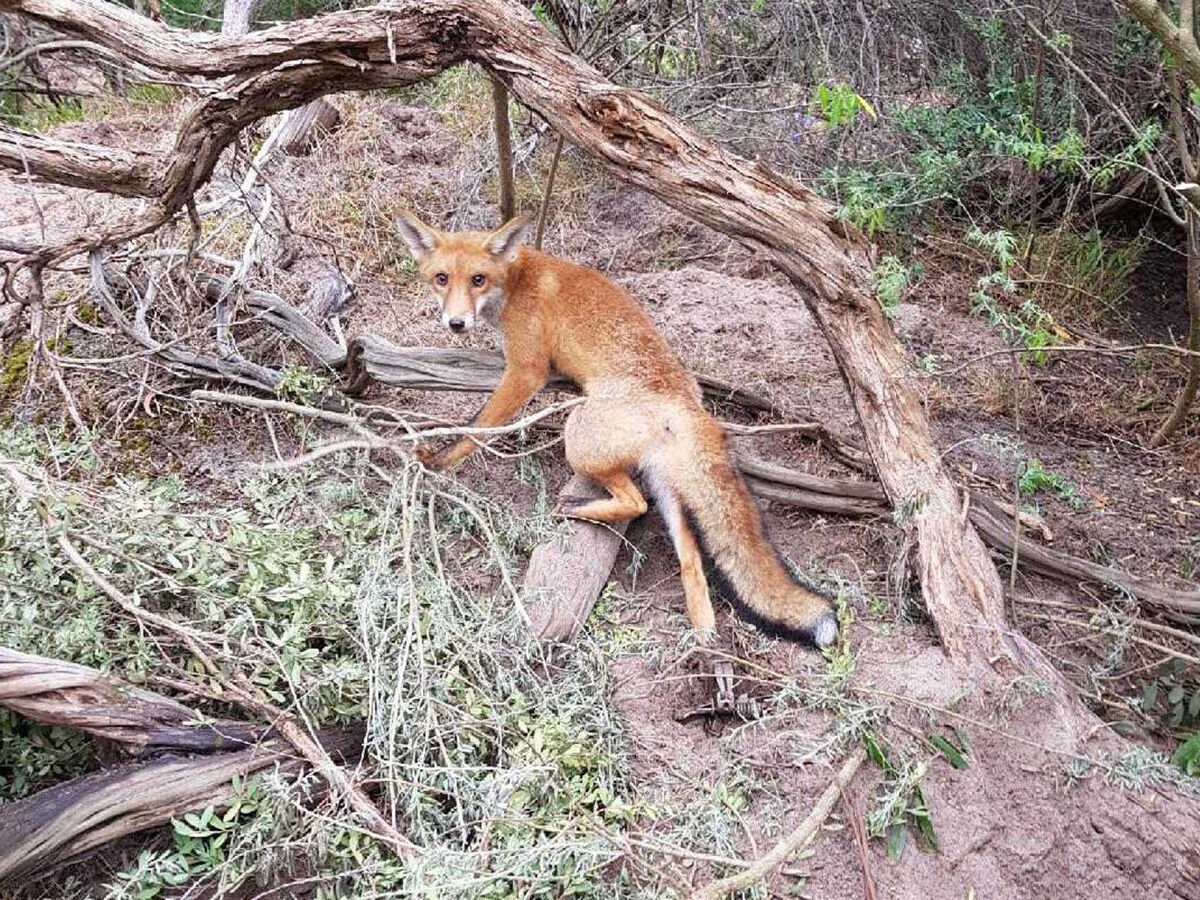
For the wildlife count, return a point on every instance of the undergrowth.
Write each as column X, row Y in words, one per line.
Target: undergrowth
column 343, row 598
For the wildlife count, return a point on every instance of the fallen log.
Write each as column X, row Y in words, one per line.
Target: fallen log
column 567, row 574
column 369, row 358
column 996, row 530
column 55, row 692
column 68, row 821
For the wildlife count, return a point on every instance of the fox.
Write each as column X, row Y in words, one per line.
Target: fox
column 642, row 414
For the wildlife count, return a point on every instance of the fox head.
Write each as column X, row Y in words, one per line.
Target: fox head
column 467, row 270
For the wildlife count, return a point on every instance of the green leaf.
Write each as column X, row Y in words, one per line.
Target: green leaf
column 897, row 838
column 924, row 822
column 1194, row 706
column 1187, row 757
column 952, row 753
column 1175, row 695
column 1149, row 696
column 876, row 752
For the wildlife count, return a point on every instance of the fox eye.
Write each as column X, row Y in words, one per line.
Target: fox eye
column 442, row 279
column 477, row 280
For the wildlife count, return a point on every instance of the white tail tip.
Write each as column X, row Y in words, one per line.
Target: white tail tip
column 826, row 631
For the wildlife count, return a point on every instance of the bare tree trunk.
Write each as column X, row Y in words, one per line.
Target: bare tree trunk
column 302, row 128
column 504, row 152
column 1187, row 396
column 236, row 17
column 1179, row 125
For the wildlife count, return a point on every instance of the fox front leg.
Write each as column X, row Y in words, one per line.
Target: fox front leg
column 516, row 388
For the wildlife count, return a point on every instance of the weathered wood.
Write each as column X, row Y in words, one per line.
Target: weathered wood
column 371, row 358
column 567, row 573
column 504, row 150
column 127, row 173
column 303, row 127
column 55, row 692
column 70, row 820
column 996, row 529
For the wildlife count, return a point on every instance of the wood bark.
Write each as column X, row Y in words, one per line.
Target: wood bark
column 68, row 821
column 303, row 127
column 504, row 150
column 236, row 16
column 566, row 575
column 54, row 692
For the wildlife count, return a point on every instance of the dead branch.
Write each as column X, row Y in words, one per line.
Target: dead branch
column 797, row 838
column 63, row 823
column 55, row 692
column 303, row 127
column 547, row 192
column 566, row 575
column 504, row 150
column 122, row 172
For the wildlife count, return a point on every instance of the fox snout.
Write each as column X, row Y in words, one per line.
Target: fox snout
column 458, row 322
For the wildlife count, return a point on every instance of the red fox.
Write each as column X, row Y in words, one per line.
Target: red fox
column 643, row 412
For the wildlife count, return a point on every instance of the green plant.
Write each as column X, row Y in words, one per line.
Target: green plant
column 15, row 367
column 342, row 603
column 1035, row 478
column 838, row 105
column 32, row 755
column 1172, row 696
column 900, row 802
column 1187, row 756
column 839, row 655
column 909, row 508
column 47, row 117
column 300, row 383
column 145, row 93
column 953, row 144
column 891, row 279
column 1028, row 323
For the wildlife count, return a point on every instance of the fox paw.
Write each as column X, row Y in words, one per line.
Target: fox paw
column 426, row 455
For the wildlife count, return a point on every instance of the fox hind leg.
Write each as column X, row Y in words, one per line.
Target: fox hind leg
column 691, row 563
column 624, row 502
column 604, row 443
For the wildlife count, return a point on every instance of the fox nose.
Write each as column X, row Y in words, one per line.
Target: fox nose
column 457, row 324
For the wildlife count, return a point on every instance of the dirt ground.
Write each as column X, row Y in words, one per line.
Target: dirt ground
column 1023, row 821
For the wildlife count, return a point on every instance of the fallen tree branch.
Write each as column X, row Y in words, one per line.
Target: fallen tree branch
column 566, row 575
column 63, row 823
column 55, row 692
column 797, row 838
column 1180, row 606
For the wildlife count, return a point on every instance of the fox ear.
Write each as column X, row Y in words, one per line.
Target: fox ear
column 505, row 240
column 421, row 239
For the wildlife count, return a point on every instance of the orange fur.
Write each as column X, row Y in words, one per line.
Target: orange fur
column 643, row 412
